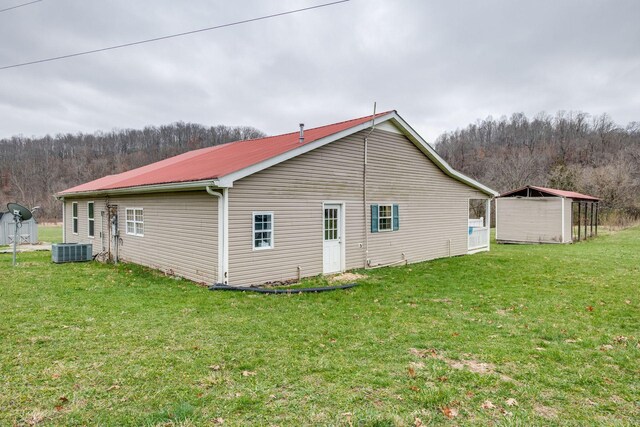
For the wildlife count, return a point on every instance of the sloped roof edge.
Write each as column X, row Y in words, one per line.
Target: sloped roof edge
column 553, row 192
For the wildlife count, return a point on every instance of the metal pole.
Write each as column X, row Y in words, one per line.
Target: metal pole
column 597, row 204
column 15, row 239
column 585, row 221
column 591, row 220
column 579, row 219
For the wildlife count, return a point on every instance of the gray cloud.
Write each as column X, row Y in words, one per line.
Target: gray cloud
column 441, row 64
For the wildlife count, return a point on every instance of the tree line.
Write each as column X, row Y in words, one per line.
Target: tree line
column 33, row 169
column 570, row 151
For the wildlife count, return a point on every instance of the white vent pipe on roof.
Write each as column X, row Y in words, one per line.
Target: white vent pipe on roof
column 301, row 133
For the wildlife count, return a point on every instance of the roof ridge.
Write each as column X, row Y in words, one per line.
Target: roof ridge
column 315, row 128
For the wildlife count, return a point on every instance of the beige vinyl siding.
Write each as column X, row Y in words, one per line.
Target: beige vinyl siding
column 567, row 219
column 433, row 209
column 530, row 219
column 294, row 191
column 180, row 232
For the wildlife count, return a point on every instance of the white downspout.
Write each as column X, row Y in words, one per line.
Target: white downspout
column 223, row 241
column 488, row 213
column 365, row 162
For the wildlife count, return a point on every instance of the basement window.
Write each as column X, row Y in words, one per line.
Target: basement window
column 91, row 221
column 135, row 221
column 74, row 216
column 262, row 230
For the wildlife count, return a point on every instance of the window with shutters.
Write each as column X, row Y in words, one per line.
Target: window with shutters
column 91, row 221
column 385, row 217
column 74, row 216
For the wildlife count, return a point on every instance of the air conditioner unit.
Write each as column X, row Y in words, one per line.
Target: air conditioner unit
column 71, row 252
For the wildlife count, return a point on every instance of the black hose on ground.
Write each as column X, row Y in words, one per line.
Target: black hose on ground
column 280, row 291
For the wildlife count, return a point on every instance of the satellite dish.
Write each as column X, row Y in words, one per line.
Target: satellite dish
column 20, row 212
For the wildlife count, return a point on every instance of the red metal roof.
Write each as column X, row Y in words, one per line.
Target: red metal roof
column 553, row 192
column 214, row 162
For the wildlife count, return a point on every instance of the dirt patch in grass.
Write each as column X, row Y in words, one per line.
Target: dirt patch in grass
column 347, row 277
column 472, row 365
column 546, row 411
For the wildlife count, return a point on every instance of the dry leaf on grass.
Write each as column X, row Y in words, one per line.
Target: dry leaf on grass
column 505, row 412
column 412, row 372
column 113, row 387
column 417, row 422
column 621, row 340
column 248, row 373
column 215, row 367
column 511, row 402
column 589, row 308
column 487, row 404
column 449, row 412
column 218, row 420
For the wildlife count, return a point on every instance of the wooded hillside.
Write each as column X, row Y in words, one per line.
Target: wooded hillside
column 571, row 151
column 33, row 169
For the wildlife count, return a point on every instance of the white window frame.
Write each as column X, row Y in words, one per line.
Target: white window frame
column 390, row 217
column 74, row 218
column 134, row 222
column 253, row 229
column 90, row 220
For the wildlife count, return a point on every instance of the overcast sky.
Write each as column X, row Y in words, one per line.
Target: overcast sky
column 441, row 63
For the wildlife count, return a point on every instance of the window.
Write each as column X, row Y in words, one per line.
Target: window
column 135, row 221
column 90, row 219
column 74, row 216
column 385, row 218
column 262, row 230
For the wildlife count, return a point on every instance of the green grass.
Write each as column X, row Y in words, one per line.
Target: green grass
column 94, row 344
column 50, row 233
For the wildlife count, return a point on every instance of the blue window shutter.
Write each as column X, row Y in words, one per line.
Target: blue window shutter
column 374, row 218
column 396, row 218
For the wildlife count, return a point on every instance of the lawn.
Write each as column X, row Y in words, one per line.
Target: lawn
column 50, row 233
column 523, row 335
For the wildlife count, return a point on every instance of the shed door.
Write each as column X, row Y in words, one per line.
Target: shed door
column 332, row 239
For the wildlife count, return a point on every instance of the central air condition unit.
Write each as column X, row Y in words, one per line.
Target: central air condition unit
column 71, row 252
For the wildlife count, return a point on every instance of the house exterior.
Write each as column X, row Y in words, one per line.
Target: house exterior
column 545, row 215
column 27, row 233
column 361, row 193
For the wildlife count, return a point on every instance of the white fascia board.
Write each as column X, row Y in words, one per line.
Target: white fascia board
column 418, row 141
column 155, row 188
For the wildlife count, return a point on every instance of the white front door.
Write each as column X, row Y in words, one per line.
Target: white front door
column 332, row 238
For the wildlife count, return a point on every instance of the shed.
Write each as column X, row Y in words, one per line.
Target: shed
column 545, row 215
column 27, row 233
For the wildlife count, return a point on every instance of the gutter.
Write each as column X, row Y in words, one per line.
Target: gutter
column 154, row 188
